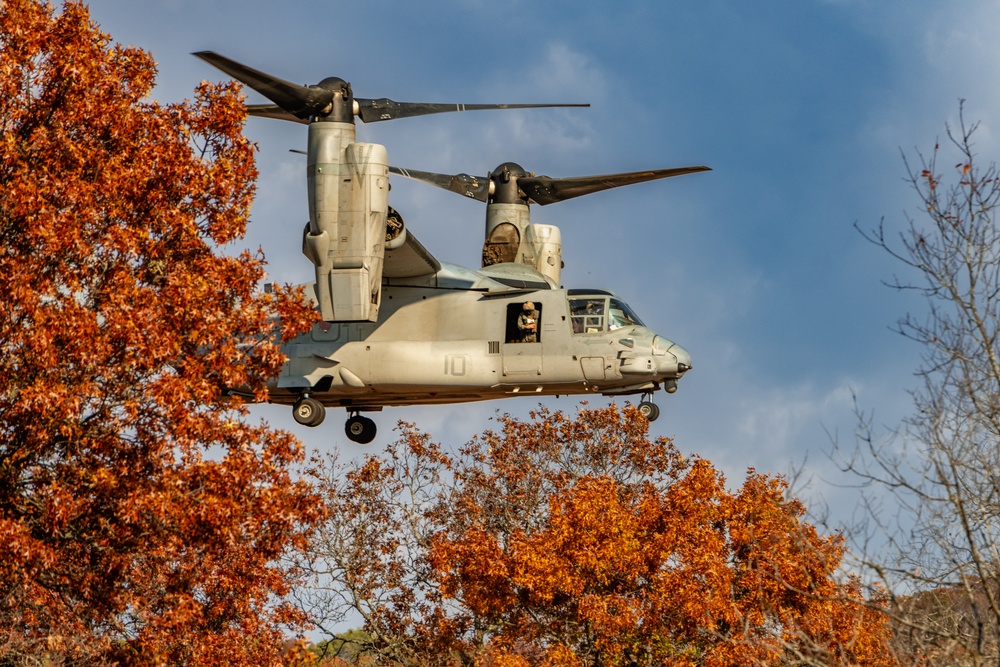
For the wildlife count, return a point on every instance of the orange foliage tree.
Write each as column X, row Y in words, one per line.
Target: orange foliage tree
column 580, row 541
column 141, row 517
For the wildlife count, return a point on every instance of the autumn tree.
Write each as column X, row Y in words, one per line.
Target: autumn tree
column 933, row 527
column 579, row 541
column 141, row 516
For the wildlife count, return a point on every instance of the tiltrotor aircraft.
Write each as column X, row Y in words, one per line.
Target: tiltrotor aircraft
column 400, row 327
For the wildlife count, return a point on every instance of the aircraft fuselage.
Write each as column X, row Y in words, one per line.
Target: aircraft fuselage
column 442, row 344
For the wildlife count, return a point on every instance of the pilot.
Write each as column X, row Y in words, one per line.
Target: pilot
column 527, row 323
column 595, row 316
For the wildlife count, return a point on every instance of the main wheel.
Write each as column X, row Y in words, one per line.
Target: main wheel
column 360, row 429
column 649, row 410
column 308, row 411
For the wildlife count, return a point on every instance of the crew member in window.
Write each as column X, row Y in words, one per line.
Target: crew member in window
column 527, row 323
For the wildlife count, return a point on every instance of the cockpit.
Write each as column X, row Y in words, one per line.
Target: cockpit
column 597, row 313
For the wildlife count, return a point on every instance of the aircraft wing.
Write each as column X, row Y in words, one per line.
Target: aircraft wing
column 409, row 260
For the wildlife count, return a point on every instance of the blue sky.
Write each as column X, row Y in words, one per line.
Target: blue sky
column 801, row 108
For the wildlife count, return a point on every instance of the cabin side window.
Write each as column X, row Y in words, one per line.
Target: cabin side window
column 524, row 322
column 587, row 315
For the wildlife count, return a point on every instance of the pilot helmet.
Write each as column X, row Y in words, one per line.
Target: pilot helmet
column 529, row 305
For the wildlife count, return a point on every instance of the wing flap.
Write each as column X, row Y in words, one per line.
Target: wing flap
column 410, row 260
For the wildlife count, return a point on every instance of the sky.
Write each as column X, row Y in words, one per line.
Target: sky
column 802, row 108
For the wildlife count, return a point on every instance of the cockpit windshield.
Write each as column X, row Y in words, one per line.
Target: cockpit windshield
column 620, row 315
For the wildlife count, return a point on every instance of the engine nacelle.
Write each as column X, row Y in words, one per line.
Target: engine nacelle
column 348, row 186
column 542, row 248
column 511, row 237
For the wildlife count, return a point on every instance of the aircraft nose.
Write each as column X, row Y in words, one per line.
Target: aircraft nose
column 683, row 358
column 673, row 360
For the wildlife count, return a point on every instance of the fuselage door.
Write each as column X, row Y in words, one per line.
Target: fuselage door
column 522, row 359
column 522, row 348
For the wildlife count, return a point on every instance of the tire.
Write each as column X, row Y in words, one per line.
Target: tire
column 308, row 411
column 649, row 410
column 360, row 429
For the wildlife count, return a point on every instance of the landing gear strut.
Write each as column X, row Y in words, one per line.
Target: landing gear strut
column 360, row 429
column 308, row 411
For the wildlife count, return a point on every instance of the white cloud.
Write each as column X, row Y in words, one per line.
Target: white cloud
column 565, row 71
column 939, row 53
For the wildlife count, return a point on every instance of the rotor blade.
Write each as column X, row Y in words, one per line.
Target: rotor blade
column 273, row 111
column 386, row 109
column 463, row 184
column 300, row 101
column 546, row 190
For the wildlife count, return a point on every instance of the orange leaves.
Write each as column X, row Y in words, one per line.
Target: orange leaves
column 123, row 324
column 566, row 540
column 482, row 573
column 591, row 539
column 672, row 562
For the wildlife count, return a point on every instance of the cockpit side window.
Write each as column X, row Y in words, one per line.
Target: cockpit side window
column 587, row 315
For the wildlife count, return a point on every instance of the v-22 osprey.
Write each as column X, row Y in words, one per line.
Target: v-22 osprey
column 398, row 327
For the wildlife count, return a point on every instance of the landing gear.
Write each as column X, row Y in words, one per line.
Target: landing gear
column 360, row 429
column 648, row 409
column 308, row 411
